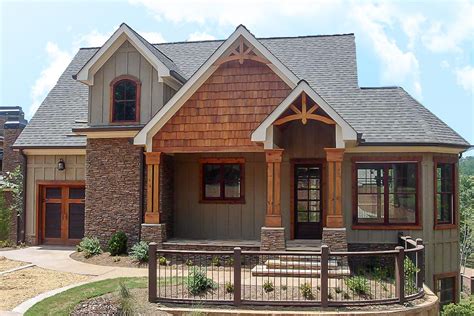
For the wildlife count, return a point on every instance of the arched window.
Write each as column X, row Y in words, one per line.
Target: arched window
column 125, row 100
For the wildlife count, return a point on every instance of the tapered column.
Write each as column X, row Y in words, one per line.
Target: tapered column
column 273, row 216
column 152, row 214
column 334, row 216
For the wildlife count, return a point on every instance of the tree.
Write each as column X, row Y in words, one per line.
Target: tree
column 12, row 185
column 466, row 208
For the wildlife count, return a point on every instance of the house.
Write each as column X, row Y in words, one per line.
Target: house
column 258, row 140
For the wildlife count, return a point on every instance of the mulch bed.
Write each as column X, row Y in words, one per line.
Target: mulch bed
column 105, row 259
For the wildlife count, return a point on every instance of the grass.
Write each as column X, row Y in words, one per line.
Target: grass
column 63, row 303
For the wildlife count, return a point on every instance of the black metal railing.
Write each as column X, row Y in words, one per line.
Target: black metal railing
column 322, row 278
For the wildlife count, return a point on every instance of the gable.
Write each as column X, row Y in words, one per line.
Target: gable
column 224, row 110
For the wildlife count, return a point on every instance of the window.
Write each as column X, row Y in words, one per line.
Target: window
column 222, row 180
column 445, row 288
column 125, row 100
column 386, row 193
column 444, row 193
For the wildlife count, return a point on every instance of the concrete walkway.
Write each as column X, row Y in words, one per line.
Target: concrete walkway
column 57, row 258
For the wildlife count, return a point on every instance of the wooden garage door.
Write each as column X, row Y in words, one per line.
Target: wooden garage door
column 62, row 210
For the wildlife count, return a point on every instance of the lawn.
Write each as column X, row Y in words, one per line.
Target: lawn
column 63, row 303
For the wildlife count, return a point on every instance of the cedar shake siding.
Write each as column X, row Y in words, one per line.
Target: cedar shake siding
column 113, row 188
column 225, row 110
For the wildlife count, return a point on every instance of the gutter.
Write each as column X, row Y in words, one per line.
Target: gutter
column 466, row 147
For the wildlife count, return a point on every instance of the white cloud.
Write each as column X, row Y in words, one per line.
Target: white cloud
column 57, row 62
column 447, row 36
column 465, row 78
column 200, row 36
column 445, row 64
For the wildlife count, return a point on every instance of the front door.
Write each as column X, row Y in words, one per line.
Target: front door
column 62, row 214
column 308, row 201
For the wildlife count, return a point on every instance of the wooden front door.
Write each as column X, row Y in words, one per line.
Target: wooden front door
column 308, row 201
column 62, row 214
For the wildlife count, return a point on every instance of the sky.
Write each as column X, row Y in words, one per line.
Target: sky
column 426, row 47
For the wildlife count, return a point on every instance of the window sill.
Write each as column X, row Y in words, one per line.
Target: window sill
column 445, row 226
column 387, row 227
column 242, row 201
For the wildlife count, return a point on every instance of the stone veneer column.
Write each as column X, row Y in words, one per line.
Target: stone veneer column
column 334, row 234
column 153, row 229
column 273, row 234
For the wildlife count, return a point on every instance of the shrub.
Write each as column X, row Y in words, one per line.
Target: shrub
column 358, row 284
column 197, row 282
column 268, row 286
column 118, row 243
column 90, row 246
column 140, row 251
column 306, row 291
column 346, row 295
column 189, row 263
column 338, row 290
column 464, row 308
column 229, row 287
column 162, row 261
column 410, row 275
column 5, row 217
column 215, row 262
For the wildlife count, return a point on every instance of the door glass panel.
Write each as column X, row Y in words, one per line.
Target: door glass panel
column 77, row 193
column 314, row 206
column 302, row 184
column 314, row 194
column 302, row 206
column 302, row 194
column 314, row 217
column 76, row 220
column 314, row 183
column 52, row 220
column 302, row 217
column 53, row 193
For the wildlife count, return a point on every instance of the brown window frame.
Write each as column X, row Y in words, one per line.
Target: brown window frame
column 454, row 162
column 386, row 160
column 447, row 275
column 222, row 199
column 113, row 84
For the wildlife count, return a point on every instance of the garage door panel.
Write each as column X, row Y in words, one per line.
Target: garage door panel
column 52, row 220
column 76, row 220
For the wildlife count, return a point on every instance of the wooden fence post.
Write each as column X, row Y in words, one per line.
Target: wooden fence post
column 324, row 275
column 237, row 276
column 400, row 273
column 420, row 263
column 152, row 272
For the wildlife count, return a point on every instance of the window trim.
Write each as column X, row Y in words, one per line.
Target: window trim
column 419, row 193
column 447, row 160
column 222, row 161
column 445, row 275
column 113, row 83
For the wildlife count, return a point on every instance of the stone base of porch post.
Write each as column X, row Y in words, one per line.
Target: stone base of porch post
column 272, row 239
column 154, row 233
column 335, row 238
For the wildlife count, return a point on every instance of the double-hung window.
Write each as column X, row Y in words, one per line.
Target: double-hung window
column 386, row 193
column 445, row 186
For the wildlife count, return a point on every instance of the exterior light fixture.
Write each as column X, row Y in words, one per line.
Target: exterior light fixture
column 61, row 165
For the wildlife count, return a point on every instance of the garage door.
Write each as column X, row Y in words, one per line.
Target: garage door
column 62, row 210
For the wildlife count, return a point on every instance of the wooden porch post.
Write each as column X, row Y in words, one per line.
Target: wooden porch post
column 273, row 216
column 334, row 216
column 152, row 214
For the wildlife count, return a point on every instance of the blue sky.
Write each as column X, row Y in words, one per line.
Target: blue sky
column 427, row 47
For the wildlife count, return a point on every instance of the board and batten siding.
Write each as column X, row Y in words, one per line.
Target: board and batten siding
column 442, row 246
column 44, row 168
column 127, row 61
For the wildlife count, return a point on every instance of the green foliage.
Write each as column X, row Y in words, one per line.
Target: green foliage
column 126, row 301
column 139, row 251
column 268, row 286
column 306, row 291
column 466, row 166
column 358, row 284
column 464, row 308
column 118, row 243
column 189, row 263
column 229, row 287
column 410, row 275
column 215, row 262
column 338, row 290
column 162, row 261
column 90, row 246
column 197, row 282
column 13, row 183
column 466, row 211
column 5, row 214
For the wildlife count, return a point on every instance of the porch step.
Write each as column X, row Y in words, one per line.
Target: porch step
column 263, row 270
column 305, row 265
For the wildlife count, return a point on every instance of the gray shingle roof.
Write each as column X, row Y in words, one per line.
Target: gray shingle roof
column 327, row 63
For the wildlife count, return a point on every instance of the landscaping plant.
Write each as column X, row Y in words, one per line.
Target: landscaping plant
column 358, row 284
column 197, row 282
column 306, row 291
column 215, row 262
column 464, row 308
column 229, row 287
column 90, row 246
column 162, row 261
column 268, row 286
column 118, row 243
column 126, row 300
column 139, row 251
column 410, row 276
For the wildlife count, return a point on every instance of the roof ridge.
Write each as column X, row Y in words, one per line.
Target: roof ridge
column 381, row 87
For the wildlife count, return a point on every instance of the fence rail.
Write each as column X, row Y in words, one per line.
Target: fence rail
column 321, row 278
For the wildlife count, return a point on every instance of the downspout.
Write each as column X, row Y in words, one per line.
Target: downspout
column 21, row 229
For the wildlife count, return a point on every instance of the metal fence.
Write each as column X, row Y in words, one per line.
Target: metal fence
column 286, row 278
